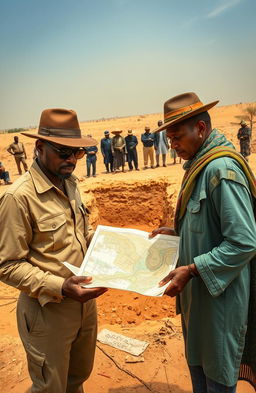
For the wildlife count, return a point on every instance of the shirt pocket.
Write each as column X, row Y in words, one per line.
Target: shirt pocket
column 195, row 212
column 83, row 219
column 52, row 232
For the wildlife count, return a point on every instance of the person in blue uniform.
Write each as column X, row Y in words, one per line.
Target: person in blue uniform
column 131, row 142
column 105, row 146
column 148, row 147
column 91, row 158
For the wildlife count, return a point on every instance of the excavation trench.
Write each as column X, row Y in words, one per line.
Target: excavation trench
column 142, row 205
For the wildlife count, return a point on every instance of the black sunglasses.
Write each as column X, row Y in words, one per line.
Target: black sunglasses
column 66, row 152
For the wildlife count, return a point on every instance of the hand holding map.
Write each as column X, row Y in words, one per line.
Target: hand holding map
column 127, row 259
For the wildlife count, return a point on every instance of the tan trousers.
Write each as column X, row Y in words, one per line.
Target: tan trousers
column 148, row 152
column 59, row 340
column 19, row 160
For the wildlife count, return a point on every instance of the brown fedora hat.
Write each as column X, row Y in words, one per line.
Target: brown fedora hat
column 182, row 107
column 61, row 126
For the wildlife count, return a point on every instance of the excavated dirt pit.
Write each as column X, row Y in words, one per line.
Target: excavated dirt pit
column 144, row 206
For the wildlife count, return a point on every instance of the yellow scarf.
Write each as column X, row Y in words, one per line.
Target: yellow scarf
column 189, row 180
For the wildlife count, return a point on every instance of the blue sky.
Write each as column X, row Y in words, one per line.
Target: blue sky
column 107, row 58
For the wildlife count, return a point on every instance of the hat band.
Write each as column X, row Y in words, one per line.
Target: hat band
column 60, row 133
column 169, row 116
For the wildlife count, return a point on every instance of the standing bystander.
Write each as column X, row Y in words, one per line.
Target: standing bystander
column 244, row 137
column 17, row 149
column 148, row 147
column 91, row 158
column 131, row 142
column 118, row 150
column 161, row 145
column 105, row 146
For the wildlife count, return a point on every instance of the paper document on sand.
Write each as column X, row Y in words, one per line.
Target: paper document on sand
column 119, row 341
column 127, row 259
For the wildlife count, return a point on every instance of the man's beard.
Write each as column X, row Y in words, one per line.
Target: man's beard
column 63, row 177
column 66, row 175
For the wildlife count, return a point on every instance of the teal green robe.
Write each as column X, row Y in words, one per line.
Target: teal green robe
column 218, row 234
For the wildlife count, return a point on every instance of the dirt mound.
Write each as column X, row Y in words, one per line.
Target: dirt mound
column 126, row 308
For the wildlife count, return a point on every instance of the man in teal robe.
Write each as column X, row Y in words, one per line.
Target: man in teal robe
column 216, row 224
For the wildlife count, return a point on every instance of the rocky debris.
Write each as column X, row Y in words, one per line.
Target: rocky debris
column 168, row 331
column 134, row 359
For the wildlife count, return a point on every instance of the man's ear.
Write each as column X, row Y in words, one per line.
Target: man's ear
column 39, row 145
column 201, row 128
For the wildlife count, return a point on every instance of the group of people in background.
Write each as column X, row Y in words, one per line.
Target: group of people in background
column 118, row 150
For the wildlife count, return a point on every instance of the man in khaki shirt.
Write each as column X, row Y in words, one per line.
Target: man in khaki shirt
column 44, row 223
column 17, row 149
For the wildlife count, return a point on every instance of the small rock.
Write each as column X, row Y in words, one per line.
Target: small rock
column 134, row 359
column 163, row 331
column 131, row 321
column 118, row 320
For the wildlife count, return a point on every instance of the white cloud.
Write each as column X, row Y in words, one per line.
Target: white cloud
column 222, row 8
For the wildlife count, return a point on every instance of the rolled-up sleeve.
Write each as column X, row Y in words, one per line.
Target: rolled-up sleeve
column 234, row 206
column 15, row 269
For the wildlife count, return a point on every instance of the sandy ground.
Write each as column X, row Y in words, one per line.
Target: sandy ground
column 127, row 198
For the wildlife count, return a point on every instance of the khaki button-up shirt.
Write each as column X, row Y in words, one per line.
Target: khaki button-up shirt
column 17, row 149
column 41, row 227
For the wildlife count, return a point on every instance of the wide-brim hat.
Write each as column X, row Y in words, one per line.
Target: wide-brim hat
column 243, row 123
column 182, row 107
column 61, row 126
column 117, row 132
column 129, row 132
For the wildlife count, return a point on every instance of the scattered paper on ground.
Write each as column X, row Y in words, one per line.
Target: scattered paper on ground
column 119, row 341
column 127, row 259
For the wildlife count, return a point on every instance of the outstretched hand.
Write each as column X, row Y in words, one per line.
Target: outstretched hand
column 179, row 278
column 162, row 231
column 72, row 288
